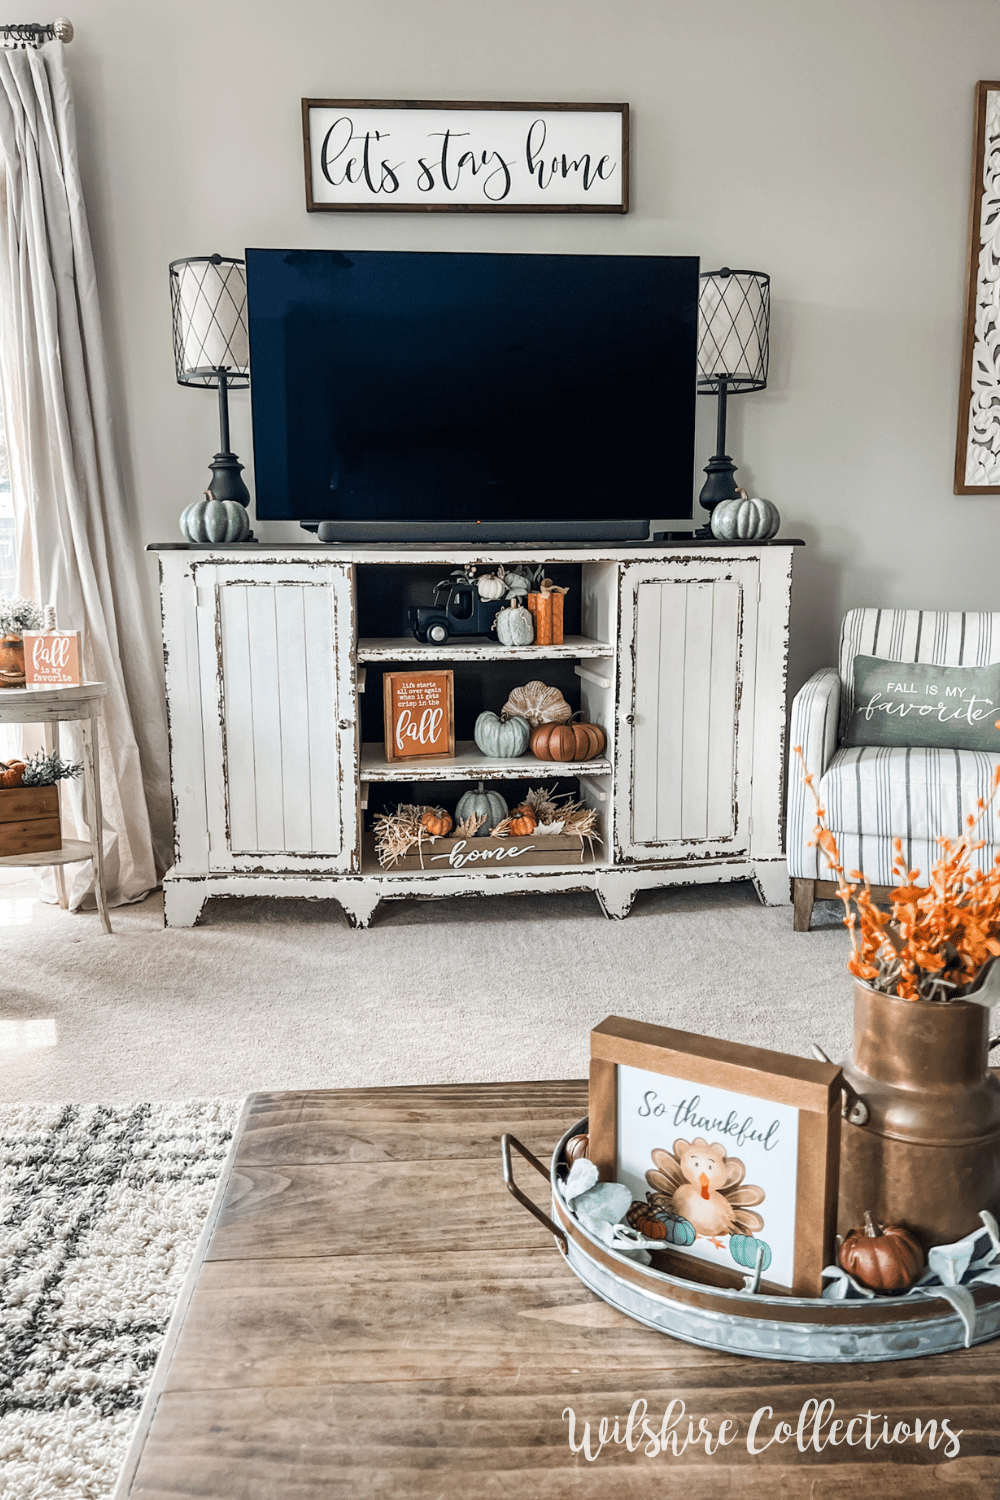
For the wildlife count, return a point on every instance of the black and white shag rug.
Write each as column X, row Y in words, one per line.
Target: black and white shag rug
column 100, row 1211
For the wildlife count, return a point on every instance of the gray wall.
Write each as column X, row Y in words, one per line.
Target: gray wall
column 825, row 141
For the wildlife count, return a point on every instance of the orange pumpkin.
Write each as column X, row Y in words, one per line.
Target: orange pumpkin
column 567, row 741
column 885, row 1258
column 11, row 772
column 523, row 820
column 437, row 822
column 640, row 1217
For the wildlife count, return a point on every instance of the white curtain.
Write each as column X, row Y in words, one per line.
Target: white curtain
column 76, row 547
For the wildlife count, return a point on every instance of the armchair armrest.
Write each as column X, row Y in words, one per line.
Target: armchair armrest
column 814, row 725
column 815, row 720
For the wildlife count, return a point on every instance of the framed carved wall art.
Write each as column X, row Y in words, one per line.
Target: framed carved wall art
column 733, row 1148
column 977, row 457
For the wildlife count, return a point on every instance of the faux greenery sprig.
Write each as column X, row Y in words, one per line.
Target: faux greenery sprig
column 18, row 615
column 42, row 769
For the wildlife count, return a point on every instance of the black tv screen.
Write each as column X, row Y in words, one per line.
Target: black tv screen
column 395, row 387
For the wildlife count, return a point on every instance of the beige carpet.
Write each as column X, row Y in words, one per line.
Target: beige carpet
column 271, row 994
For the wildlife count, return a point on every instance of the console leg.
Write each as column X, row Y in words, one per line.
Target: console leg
column 770, row 877
column 616, row 899
column 182, row 903
column 359, row 902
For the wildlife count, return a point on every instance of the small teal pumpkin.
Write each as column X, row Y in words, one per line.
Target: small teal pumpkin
column 515, row 626
column 745, row 520
column 743, row 1248
column 215, row 521
column 680, row 1231
column 499, row 738
column 481, row 803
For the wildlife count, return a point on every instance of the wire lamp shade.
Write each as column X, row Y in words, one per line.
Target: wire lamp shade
column 208, row 299
column 734, row 315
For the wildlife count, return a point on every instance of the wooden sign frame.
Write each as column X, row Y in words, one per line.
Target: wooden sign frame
column 443, row 742
column 978, row 381
column 792, row 1088
column 464, row 156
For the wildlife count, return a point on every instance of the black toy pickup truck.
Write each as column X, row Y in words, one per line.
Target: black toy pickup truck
column 462, row 612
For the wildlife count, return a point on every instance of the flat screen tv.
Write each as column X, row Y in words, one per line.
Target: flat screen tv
column 407, row 395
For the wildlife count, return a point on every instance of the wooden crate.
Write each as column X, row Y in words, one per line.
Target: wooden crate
column 29, row 820
column 447, row 855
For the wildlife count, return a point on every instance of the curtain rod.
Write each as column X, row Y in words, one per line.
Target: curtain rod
column 34, row 33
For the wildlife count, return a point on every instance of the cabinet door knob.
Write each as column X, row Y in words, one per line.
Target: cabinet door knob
column 345, row 724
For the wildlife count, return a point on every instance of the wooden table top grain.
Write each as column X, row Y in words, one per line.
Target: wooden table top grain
column 370, row 1314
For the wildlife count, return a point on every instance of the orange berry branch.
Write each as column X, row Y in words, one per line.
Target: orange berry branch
column 937, row 937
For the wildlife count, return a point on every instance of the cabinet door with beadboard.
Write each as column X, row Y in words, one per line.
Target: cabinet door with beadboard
column 275, row 645
column 687, row 654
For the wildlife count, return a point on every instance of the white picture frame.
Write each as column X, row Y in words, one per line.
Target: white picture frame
column 387, row 156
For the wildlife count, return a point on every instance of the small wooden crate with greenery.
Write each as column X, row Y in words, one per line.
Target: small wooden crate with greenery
column 29, row 803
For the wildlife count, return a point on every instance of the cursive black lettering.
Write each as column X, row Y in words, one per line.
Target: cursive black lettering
column 446, row 137
column 425, row 177
column 328, row 155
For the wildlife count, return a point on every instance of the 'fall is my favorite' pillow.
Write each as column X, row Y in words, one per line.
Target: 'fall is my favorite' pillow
column 915, row 703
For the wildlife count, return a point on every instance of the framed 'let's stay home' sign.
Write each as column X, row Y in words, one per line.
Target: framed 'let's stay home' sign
column 734, row 1150
column 475, row 158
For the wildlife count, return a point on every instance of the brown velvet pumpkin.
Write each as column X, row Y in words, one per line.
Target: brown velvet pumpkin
column 522, row 820
column 567, row 741
column 576, row 1147
column 886, row 1258
column 11, row 772
column 437, row 822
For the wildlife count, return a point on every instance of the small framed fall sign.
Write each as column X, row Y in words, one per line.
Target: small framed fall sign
column 419, row 714
column 52, row 658
column 733, row 1149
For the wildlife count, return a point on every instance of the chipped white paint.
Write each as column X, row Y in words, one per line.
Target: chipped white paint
column 268, row 779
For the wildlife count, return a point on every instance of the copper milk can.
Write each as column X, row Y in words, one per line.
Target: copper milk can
column 928, row 1155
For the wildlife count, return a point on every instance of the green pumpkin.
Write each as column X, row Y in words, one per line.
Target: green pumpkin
column 515, row 626
column 743, row 1248
column 745, row 520
column 500, row 738
column 481, row 803
column 215, row 521
column 679, row 1231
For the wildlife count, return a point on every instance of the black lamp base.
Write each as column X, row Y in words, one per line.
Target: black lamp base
column 720, row 485
column 226, row 481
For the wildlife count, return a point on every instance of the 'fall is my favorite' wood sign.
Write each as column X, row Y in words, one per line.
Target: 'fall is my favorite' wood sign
column 529, row 158
column 419, row 714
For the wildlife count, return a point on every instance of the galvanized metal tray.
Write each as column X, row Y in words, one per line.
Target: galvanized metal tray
column 808, row 1329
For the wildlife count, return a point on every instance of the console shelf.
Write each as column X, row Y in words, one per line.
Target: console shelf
column 470, row 764
column 405, row 648
column 276, row 751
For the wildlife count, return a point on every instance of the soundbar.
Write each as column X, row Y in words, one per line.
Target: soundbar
column 514, row 533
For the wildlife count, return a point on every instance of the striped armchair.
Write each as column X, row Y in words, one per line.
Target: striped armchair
column 875, row 794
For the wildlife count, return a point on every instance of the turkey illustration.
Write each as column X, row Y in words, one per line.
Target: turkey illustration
column 702, row 1184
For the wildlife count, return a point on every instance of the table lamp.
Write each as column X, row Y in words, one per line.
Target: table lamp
column 208, row 299
column 734, row 313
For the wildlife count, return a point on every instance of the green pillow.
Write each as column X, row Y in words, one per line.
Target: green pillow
column 919, row 704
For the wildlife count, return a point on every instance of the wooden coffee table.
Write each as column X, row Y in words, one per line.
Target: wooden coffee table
column 372, row 1315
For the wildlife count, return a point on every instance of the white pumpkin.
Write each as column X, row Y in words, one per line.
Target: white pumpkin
column 745, row 520
column 490, row 586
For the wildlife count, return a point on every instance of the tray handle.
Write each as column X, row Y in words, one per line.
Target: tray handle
column 507, row 1142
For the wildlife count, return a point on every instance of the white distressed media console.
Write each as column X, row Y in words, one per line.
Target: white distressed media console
column 678, row 652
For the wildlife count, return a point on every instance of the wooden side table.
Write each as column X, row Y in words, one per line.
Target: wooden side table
column 50, row 706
